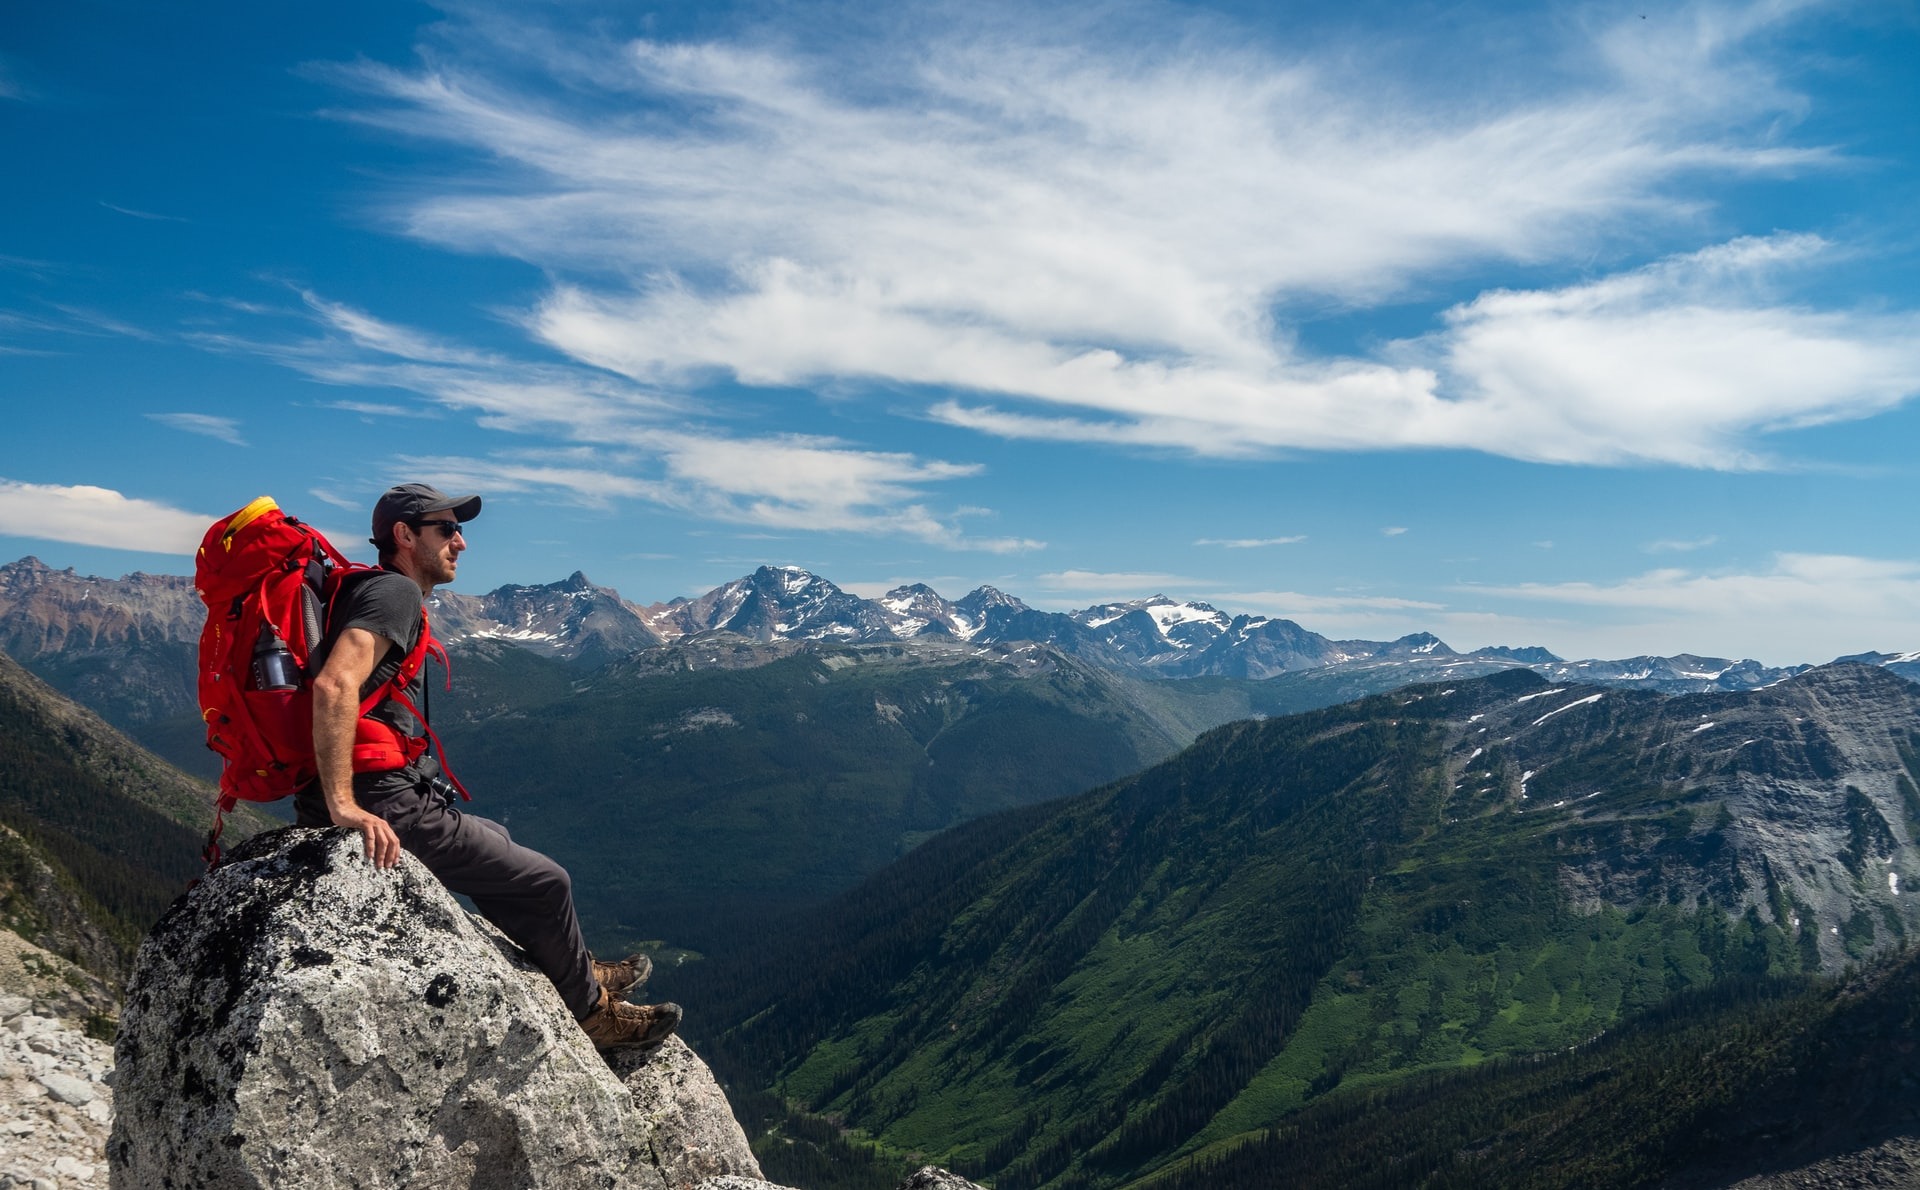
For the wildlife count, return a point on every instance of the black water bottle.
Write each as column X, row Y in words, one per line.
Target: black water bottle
column 273, row 665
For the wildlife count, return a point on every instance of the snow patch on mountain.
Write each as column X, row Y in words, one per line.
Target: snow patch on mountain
column 1578, row 702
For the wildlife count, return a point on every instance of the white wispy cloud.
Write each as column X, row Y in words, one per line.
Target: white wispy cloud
column 788, row 483
column 336, row 499
column 1680, row 546
column 1393, row 530
column 804, row 482
column 86, row 515
column 615, row 440
column 70, row 320
column 1805, row 607
column 1102, row 245
column 10, row 85
column 96, row 322
column 585, row 478
column 382, row 409
column 138, row 214
column 1250, row 543
column 226, row 429
column 1679, row 362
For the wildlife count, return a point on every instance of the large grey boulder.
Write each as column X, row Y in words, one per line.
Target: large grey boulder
column 301, row 1019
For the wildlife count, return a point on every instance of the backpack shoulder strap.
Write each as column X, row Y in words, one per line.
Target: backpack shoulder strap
column 395, row 688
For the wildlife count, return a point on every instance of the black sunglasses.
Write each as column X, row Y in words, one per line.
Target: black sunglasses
column 446, row 528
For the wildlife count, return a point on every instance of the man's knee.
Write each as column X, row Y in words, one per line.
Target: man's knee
column 549, row 880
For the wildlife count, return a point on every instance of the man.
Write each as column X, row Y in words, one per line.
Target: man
column 378, row 777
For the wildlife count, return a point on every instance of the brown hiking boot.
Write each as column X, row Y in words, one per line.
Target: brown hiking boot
column 624, row 976
column 618, row 1025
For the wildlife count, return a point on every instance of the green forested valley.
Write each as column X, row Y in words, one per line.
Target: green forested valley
column 1304, row 912
column 691, row 804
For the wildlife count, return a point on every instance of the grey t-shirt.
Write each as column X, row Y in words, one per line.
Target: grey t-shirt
column 388, row 605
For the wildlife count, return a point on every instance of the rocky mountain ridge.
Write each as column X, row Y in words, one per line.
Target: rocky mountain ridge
column 126, row 644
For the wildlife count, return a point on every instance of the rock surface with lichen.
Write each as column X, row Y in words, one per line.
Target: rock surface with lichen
column 301, row 1019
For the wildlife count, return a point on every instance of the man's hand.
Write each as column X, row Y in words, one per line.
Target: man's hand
column 383, row 846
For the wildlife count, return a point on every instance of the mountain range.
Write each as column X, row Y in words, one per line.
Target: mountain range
column 116, row 642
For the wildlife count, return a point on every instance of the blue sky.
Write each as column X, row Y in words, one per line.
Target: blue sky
column 1591, row 326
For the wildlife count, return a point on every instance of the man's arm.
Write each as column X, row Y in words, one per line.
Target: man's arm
column 336, row 708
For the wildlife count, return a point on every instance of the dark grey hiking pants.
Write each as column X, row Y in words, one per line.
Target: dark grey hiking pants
column 528, row 896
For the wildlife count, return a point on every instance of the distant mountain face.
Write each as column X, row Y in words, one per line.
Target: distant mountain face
column 124, row 647
column 1158, row 636
column 1165, row 638
column 572, row 619
column 1421, row 880
column 83, row 620
column 45, row 611
column 1907, row 665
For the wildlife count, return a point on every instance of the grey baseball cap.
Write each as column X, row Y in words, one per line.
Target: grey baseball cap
column 411, row 501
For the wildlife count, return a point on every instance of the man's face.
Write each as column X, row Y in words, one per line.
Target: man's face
column 437, row 546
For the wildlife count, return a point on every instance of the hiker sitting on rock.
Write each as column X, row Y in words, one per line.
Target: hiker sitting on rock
column 378, row 777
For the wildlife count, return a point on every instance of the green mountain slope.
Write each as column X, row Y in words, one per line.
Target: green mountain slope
column 101, row 835
column 1753, row 1077
column 1418, row 882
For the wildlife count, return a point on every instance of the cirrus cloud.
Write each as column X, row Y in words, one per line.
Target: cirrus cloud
column 1106, row 245
column 226, row 429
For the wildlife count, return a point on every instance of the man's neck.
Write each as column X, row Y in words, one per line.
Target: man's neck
column 397, row 567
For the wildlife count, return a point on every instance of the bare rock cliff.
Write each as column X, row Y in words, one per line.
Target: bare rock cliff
column 301, row 1019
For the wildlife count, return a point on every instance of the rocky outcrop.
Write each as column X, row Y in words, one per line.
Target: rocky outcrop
column 55, row 1104
column 301, row 1019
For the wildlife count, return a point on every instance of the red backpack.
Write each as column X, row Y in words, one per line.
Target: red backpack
column 268, row 581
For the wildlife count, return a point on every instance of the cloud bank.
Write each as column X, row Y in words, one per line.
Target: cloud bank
column 1102, row 243
column 87, row 515
column 616, row 440
column 1802, row 607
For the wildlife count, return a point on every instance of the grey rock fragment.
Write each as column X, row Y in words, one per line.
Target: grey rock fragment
column 736, row 1182
column 932, row 1177
column 74, row 1092
column 695, row 1136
